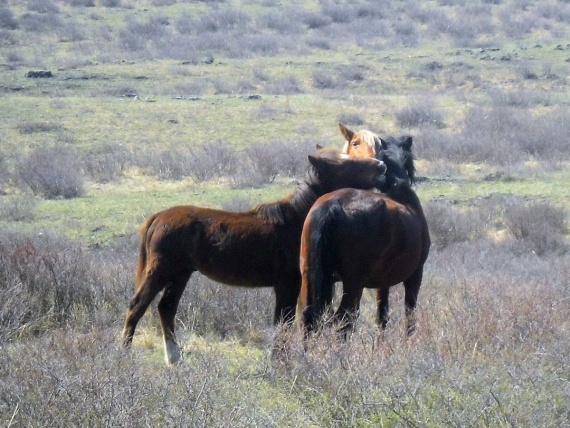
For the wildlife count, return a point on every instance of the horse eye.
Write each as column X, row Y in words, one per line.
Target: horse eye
column 356, row 143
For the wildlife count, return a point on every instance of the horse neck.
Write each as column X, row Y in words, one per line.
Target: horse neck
column 401, row 191
column 300, row 202
column 295, row 207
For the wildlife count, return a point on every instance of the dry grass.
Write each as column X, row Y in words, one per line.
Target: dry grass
column 491, row 347
column 149, row 88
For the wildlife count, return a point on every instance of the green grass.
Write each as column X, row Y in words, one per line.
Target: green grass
column 490, row 349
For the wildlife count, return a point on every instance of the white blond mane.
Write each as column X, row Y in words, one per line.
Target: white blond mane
column 364, row 136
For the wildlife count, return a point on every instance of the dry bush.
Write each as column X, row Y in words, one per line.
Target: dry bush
column 212, row 161
column 323, row 79
column 41, row 22
column 18, row 207
column 169, row 164
column 112, row 3
column 262, row 163
column 53, row 172
column 490, row 349
column 136, row 36
column 48, row 282
column 42, row 6
column 108, row 163
column 80, row 3
column 38, row 127
column 353, row 119
column 285, row 86
column 221, row 311
column 500, row 135
column 421, row 113
column 540, row 226
column 449, row 225
column 7, row 19
column 206, row 162
column 283, row 21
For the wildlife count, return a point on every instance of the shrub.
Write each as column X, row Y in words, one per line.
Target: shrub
column 224, row 311
column 111, row 3
column 38, row 127
column 169, row 164
column 354, row 119
column 448, row 225
column 18, row 208
column 283, row 22
column 285, row 86
column 340, row 13
column 323, row 79
column 138, row 36
column 314, row 20
column 212, row 160
column 42, row 6
column 422, row 113
column 80, row 3
column 223, row 21
column 109, row 163
column 48, row 282
column 52, row 173
column 41, row 22
column 539, row 225
column 7, row 19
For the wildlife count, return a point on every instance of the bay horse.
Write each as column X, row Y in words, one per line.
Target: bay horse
column 370, row 239
column 256, row 248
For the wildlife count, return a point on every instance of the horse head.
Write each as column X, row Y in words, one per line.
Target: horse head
column 331, row 169
column 361, row 144
column 396, row 153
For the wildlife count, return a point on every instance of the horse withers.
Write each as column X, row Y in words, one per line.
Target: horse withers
column 370, row 239
column 256, row 248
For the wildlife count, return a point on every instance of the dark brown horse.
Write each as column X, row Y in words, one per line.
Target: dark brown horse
column 257, row 248
column 372, row 240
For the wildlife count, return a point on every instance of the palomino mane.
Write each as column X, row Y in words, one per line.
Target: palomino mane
column 365, row 136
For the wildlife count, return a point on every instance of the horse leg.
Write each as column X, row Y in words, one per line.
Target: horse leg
column 347, row 311
column 167, row 308
column 382, row 300
column 138, row 305
column 286, row 297
column 412, row 288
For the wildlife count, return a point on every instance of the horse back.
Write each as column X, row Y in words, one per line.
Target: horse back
column 228, row 247
column 375, row 234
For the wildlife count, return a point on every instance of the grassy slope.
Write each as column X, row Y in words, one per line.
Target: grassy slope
column 90, row 114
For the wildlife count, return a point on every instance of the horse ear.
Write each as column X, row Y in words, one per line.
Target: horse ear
column 313, row 160
column 406, row 143
column 384, row 144
column 346, row 132
column 318, row 146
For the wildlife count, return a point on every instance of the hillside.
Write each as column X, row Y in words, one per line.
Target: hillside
column 153, row 103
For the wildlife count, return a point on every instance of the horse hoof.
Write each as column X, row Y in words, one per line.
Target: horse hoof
column 171, row 352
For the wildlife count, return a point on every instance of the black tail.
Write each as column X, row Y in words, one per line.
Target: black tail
column 321, row 261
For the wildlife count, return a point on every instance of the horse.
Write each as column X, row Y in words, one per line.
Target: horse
column 369, row 239
column 255, row 248
column 361, row 144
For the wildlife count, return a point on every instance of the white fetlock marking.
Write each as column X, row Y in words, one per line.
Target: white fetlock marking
column 171, row 351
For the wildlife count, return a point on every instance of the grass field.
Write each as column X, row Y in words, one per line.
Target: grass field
column 156, row 103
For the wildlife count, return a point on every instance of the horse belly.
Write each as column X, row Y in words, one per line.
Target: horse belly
column 252, row 264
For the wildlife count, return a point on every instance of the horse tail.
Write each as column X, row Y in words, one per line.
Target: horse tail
column 320, row 259
column 142, row 262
